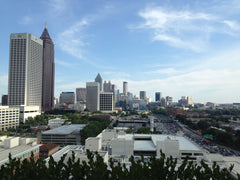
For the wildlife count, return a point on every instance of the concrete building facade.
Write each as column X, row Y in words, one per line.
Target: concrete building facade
column 81, row 94
column 125, row 88
column 143, row 95
column 25, row 70
column 93, row 94
column 9, row 117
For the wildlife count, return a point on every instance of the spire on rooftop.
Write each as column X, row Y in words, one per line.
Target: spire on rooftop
column 45, row 35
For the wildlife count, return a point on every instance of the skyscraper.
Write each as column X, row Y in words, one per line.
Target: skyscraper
column 48, row 71
column 93, row 91
column 143, row 95
column 125, row 88
column 81, row 94
column 158, row 96
column 67, row 98
column 107, row 86
column 25, row 70
column 99, row 80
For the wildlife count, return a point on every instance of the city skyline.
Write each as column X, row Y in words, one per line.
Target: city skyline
column 179, row 49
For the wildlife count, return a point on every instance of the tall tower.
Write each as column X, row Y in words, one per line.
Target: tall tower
column 25, row 70
column 93, row 93
column 158, row 96
column 143, row 95
column 125, row 88
column 48, row 72
column 100, row 81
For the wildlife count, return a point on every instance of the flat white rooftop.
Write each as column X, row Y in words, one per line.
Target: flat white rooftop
column 67, row 129
column 184, row 144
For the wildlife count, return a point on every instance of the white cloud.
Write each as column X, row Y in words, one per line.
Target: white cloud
column 65, row 64
column 72, row 39
column 211, row 79
column 167, row 71
column 57, row 6
column 25, row 20
column 116, row 75
column 232, row 24
column 183, row 29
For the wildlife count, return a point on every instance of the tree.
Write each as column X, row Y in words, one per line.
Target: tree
column 95, row 168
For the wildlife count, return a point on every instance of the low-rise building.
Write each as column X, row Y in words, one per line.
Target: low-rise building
column 64, row 135
column 47, row 150
column 18, row 148
column 79, row 152
column 9, row 117
column 54, row 123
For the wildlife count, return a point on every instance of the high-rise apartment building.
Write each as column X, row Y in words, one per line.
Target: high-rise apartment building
column 106, row 101
column 81, row 94
column 125, row 88
column 158, row 96
column 25, row 70
column 100, row 81
column 48, row 72
column 143, row 95
column 93, row 91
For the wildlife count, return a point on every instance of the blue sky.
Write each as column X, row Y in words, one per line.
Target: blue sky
column 177, row 47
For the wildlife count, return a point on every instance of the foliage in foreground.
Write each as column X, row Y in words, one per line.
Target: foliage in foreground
column 95, row 168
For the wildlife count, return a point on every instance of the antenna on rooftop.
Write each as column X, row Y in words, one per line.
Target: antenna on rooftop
column 45, row 24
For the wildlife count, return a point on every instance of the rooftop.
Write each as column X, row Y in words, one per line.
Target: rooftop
column 67, row 129
column 184, row 144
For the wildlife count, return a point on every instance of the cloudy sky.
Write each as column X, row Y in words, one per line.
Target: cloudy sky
column 177, row 47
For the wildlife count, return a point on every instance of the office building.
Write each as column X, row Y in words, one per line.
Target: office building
column 28, row 111
column 100, row 81
column 158, row 96
column 67, row 98
column 163, row 101
column 114, row 87
column 143, row 95
column 93, row 91
column 107, row 86
column 9, row 117
column 81, row 94
column 189, row 100
column 125, row 88
column 106, row 101
column 25, row 70
column 169, row 100
column 48, row 72
column 4, row 100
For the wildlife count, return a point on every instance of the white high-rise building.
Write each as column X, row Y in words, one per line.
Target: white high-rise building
column 93, row 91
column 25, row 70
